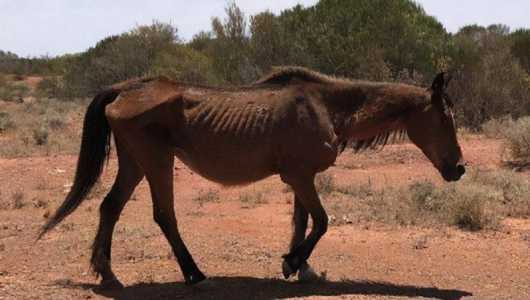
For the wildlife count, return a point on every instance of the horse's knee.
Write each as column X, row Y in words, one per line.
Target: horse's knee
column 321, row 225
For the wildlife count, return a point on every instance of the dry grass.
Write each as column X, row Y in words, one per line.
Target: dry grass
column 207, row 196
column 516, row 134
column 42, row 127
column 252, row 198
column 13, row 91
column 479, row 201
column 518, row 142
column 18, row 200
column 325, row 183
column 497, row 128
column 6, row 122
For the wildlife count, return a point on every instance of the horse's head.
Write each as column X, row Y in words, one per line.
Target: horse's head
column 432, row 129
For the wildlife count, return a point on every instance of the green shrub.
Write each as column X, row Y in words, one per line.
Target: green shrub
column 50, row 87
column 13, row 91
column 118, row 58
column 184, row 64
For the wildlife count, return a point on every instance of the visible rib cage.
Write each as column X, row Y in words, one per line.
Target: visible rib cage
column 231, row 118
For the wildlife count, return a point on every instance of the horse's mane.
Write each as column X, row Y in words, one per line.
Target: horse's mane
column 283, row 75
column 378, row 142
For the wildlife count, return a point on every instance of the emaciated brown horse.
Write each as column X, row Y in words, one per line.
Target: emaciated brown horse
column 293, row 122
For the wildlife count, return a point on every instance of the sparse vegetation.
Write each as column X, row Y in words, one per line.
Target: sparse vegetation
column 40, row 135
column 55, row 123
column 11, row 91
column 477, row 202
column 50, row 87
column 206, row 196
column 42, row 127
column 253, row 198
column 40, row 203
column 42, row 101
column 518, row 141
column 18, row 200
column 6, row 122
column 325, row 183
column 497, row 128
column 516, row 134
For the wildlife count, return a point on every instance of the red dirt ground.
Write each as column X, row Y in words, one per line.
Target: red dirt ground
column 240, row 248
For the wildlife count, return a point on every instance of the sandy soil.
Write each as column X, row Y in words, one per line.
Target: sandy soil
column 239, row 246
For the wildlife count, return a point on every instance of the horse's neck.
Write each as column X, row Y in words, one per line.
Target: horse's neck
column 361, row 115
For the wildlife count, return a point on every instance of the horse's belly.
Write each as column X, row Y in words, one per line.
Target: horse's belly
column 228, row 169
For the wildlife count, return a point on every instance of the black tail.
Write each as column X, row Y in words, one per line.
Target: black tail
column 95, row 148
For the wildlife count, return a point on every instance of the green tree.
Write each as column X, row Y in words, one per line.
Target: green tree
column 118, row 58
column 231, row 46
column 490, row 82
column 521, row 47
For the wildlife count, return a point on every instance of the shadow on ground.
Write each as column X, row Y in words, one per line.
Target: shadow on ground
column 257, row 288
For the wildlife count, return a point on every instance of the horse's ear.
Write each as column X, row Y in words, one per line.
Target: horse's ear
column 440, row 83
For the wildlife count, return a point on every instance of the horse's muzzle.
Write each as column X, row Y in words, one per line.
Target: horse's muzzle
column 453, row 173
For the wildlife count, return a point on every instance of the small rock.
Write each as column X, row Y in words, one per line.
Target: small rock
column 421, row 243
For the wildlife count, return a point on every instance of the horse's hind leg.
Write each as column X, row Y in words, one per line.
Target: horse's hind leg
column 161, row 184
column 128, row 177
column 156, row 159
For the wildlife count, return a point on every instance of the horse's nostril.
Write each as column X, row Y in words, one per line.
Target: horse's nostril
column 461, row 170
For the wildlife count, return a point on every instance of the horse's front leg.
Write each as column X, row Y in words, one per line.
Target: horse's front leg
column 306, row 202
column 300, row 219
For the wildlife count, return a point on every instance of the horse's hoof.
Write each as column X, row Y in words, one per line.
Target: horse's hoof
column 307, row 274
column 111, row 284
column 287, row 270
column 195, row 278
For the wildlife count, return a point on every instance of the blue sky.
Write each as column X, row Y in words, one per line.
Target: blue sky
column 39, row 27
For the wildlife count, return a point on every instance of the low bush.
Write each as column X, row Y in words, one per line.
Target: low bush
column 50, row 87
column 518, row 141
column 40, row 135
column 497, row 128
column 13, row 91
column 516, row 134
column 6, row 122
column 207, row 196
column 325, row 183
column 253, row 198
column 479, row 201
